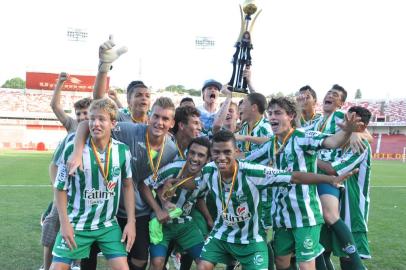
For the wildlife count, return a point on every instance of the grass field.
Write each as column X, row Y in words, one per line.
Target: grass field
column 25, row 193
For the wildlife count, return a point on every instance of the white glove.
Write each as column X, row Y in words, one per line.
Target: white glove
column 108, row 54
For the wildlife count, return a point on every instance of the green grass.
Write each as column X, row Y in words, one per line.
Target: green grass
column 20, row 210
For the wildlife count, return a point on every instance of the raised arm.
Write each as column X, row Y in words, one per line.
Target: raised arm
column 222, row 113
column 350, row 125
column 247, row 75
column 313, row 178
column 108, row 53
column 56, row 100
column 113, row 96
column 75, row 160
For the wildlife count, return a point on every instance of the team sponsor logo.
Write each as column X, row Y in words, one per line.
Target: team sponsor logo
column 62, row 173
column 308, row 243
column 115, row 171
column 258, row 259
column 95, row 196
column 241, row 198
column 242, row 212
column 311, row 133
column 187, row 208
column 63, row 245
column 111, row 185
column 350, row 249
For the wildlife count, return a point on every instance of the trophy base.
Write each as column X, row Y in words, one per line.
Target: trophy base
column 239, row 90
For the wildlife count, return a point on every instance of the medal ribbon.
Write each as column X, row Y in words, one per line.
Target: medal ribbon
column 104, row 171
column 180, row 152
column 276, row 150
column 248, row 144
column 225, row 206
column 326, row 120
column 154, row 167
column 184, row 180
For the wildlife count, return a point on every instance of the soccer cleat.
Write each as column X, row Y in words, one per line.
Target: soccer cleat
column 75, row 266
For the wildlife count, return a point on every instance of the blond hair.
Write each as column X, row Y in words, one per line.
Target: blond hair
column 106, row 105
column 164, row 103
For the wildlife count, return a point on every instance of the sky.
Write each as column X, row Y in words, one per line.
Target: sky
column 359, row 44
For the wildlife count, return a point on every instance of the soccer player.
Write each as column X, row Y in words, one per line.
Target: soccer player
column 307, row 100
column 187, row 101
column 138, row 94
column 227, row 116
column 329, row 195
column 255, row 129
column 151, row 148
column 175, row 184
column 236, row 187
column 354, row 204
column 210, row 93
column 296, row 212
column 88, row 215
column 187, row 126
column 81, row 106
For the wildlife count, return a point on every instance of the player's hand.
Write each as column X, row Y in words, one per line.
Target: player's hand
column 112, row 94
column 225, row 90
column 63, row 76
column 352, row 123
column 162, row 215
column 108, row 53
column 301, row 100
column 68, row 235
column 168, row 205
column 129, row 234
column 337, row 180
column 247, row 73
column 74, row 162
column 356, row 144
column 167, row 190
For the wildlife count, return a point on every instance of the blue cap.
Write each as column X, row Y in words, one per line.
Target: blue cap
column 212, row 82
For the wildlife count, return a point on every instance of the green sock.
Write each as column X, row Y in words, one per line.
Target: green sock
column 327, row 260
column 347, row 243
column 271, row 258
column 345, row 264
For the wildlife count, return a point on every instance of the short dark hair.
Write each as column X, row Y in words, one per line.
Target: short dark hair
column 223, row 136
column 203, row 141
column 83, row 103
column 362, row 112
column 287, row 104
column 186, row 99
column 182, row 115
column 308, row 88
column 342, row 90
column 134, row 85
column 259, row 100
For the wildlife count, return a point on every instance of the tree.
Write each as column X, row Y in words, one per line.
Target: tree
column 15, row 83
column 358, row 94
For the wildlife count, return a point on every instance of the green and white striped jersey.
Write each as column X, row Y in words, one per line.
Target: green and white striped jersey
column 239, row 222
column 355, row 204
column 328, row 125
column 261, row 129
column 309, row 124
column 298, row 205
column 57, row 156
column 91, row 204
column 185, row 199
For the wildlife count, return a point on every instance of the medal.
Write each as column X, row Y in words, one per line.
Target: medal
column 104, row 171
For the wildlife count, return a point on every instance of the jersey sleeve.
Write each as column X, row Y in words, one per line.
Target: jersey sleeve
column 348, row 162
column 166, row 172
column 312, row 140
column 127, row 172
column 124, row 131
column 260, row 155
column 264, row 176
column 201, row 187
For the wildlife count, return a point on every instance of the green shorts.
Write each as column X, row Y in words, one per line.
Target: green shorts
column 185, row 234
column 108, row 239
column 361, row 243
column 303, row 242
column 200, row 221
column 251, row 256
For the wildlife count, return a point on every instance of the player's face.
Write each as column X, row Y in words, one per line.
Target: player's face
column 232, row 115
column 193, row 128
column 279, row 119
column 197, row 157
column 187, row 103
column 246, row 110
column 223, row 155
column 309, row 100
column 140, row 100
column 161, row 121
column 332, row 101
column 100, row 124
column 82, row 114
column 211, row 94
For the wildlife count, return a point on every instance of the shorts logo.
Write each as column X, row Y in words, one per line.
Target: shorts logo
column 350, row 249
column 308, row 243
column 258, row 259
column 115, row 171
